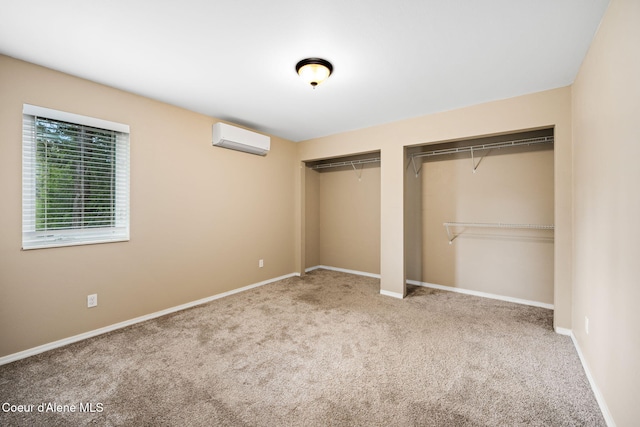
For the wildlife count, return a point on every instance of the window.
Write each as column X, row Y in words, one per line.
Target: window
column 75, row 179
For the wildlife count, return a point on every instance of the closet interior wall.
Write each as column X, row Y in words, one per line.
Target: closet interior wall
column 342, row 215
column 509, row 186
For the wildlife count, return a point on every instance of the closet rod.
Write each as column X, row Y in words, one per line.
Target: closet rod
column 492, row 225
column 472, row 148
column 346, row 163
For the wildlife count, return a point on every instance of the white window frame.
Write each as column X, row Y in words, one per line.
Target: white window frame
column 34, row 239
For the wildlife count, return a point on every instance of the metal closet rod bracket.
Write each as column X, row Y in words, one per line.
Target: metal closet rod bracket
column 415, row 169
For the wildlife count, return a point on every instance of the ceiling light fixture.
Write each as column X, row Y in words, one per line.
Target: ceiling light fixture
column 314, row 70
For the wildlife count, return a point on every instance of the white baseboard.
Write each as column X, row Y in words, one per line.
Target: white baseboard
column 391, row 294
column 606, row 414
column 481, row 294
column 441, row 287
column 563, row 331
column 359, row 273
column 343, row 270
column 66, row 341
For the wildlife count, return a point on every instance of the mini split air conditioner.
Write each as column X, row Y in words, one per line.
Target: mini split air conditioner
column 235, row 138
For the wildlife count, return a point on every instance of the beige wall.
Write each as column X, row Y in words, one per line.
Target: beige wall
column 201, row 216
column 539, row 110
column 506, row 188
column 312, row 218
column 350, row 219
column 413, row 221
column 606, row 110
column 343, row 218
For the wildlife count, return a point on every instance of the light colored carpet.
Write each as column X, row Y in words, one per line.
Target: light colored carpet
column 323, row 350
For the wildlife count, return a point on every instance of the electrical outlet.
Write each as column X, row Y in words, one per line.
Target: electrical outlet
column 261, row 263
column 92, row 300
column 586, row 324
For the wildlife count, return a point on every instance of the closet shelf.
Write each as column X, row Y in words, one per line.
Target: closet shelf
column 352, row 163
column 471, row 148
column 451, row 236
column 479, row 147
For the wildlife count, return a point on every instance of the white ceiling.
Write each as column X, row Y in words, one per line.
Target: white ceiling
column 235, row 59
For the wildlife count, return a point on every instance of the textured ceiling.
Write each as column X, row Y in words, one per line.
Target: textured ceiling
column 235, row 60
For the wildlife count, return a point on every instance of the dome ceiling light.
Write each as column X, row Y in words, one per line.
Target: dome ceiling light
column 314, row 70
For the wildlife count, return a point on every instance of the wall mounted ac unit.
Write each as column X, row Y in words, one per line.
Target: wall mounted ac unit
column 235, row 138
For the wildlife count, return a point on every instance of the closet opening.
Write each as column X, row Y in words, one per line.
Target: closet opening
column 479, row 216
column 342, row 213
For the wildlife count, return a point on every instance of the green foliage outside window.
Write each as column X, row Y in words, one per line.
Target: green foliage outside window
column 75, row 176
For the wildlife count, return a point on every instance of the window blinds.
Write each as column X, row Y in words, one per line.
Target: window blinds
column 75, row 179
